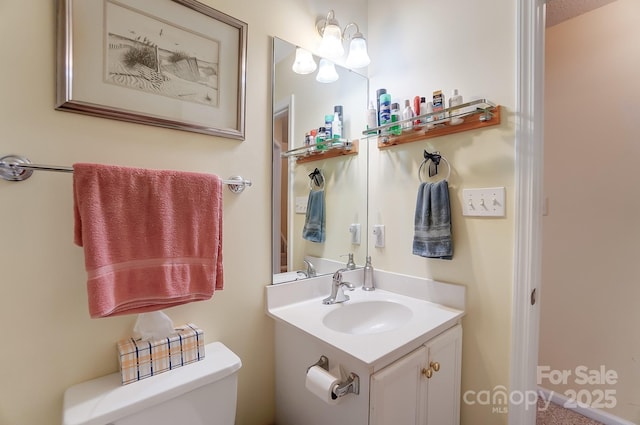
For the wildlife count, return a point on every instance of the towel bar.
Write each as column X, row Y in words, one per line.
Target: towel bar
column 18, row 168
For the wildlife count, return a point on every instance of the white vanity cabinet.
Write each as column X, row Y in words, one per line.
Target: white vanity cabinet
column 421, row 388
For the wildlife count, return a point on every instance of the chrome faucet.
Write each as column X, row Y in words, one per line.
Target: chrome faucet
column 337, row 289
column 311, row 270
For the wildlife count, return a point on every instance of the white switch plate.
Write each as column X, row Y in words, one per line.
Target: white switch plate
column 354, row 229
column 301, row 204
column 378, row 234
column 485, row 202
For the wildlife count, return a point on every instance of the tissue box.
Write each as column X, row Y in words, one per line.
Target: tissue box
column 141, row 359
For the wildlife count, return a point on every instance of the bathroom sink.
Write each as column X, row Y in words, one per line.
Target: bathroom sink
column 371, row 326
column 367, row 317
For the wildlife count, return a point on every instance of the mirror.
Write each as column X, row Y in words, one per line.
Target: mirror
column 300, row 104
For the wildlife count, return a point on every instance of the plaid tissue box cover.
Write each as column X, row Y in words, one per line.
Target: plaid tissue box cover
column 141, row 359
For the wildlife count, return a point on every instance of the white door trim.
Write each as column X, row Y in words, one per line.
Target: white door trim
column 528, row 210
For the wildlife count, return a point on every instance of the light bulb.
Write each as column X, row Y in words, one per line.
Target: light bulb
column 331, row 44
column 303, row 63
column 327, row 72
column 358, row 57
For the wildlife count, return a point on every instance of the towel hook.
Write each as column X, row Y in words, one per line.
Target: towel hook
column 435, row 158
column 316, row 178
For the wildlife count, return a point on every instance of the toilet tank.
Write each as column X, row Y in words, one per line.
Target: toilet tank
column 204, row 392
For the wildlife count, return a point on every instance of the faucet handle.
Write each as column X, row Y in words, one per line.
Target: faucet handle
column 337, row 276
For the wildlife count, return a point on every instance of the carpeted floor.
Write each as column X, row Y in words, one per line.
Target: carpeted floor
column 558, row 415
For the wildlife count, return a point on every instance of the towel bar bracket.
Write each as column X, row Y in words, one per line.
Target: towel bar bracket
column 11, row 170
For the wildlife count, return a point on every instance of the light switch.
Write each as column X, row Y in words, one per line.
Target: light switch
column 354, row 229
column 378, row 234
column 485, row 202
column 301, row 204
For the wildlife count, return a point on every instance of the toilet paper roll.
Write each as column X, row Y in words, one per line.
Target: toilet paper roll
column 321, row 383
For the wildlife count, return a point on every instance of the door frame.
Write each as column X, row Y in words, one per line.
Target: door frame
column 529, row 146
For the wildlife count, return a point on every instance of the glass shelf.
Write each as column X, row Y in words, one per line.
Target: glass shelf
column 333, row 148
column 474, row 114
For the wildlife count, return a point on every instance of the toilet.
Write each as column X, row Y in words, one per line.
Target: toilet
column 204, row 392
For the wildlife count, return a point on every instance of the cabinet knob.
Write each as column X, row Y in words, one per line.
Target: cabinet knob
column 427, row 372
column 435, row 366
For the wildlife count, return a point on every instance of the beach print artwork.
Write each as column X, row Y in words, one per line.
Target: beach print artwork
column 148, row 54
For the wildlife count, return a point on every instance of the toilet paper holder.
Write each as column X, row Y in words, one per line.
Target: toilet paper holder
column 323, row 362
column 351, row 385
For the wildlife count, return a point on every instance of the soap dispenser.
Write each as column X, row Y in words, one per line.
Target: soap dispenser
column 351, row 265
column 368, row 276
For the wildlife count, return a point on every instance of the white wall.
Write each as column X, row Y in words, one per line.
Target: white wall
column 416, row 48
column 590, row 291
column 50, row 342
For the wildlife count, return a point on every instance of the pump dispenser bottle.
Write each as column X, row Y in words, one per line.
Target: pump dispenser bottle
column 367, row 285
column 455, row 100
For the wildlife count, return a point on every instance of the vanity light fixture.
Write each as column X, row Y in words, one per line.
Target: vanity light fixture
column 304, row 62
column 332, row 39
column 327, row 72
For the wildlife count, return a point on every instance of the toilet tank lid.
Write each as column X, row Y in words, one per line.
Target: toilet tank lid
column 104, row 399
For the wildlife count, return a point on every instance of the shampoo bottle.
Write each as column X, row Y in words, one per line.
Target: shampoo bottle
column 337, row 126
column 338, row 122
column 328, row 125
column 455, row 100
column 396, row 130
column 372, row 116
column 385, row 108
column 407, row 115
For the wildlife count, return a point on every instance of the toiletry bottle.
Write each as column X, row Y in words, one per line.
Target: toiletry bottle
column 416, row 109
column 328, row 125
column 336, row 129
column 321, row 138
column 455, row 100
column 379, row 93
column 338, row 110
column 438, row 104
column 431, row 117
column 385, row 109
column 423, row 109
column 395, row 130
column 307, row 141
column 312, row 139
column 407, row 114
column 372, row 116
column 367, row 284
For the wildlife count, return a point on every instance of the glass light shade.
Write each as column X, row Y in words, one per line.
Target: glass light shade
column 358, row 57
column 331, row 44
column 303, row 63
column 327, row 72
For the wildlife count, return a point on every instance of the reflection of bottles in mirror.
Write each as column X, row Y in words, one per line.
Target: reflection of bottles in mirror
column 307, row 142
column 396, row 130
column 321, row 138
column 372, row 116
column 385, row 110
column 328, row 125
column 338, row 122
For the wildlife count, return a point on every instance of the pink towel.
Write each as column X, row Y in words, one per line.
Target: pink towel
column 152, row 239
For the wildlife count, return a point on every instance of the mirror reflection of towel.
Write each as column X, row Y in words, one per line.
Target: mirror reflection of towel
column 314, row 224
column 432, row 237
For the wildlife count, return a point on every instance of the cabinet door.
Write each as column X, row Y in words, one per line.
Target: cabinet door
column 443, row 388
column 398, row 391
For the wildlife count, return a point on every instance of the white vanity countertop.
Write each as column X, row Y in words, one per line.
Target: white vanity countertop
column 300, row 304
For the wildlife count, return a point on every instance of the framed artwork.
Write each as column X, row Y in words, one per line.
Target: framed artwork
column 172, row 63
